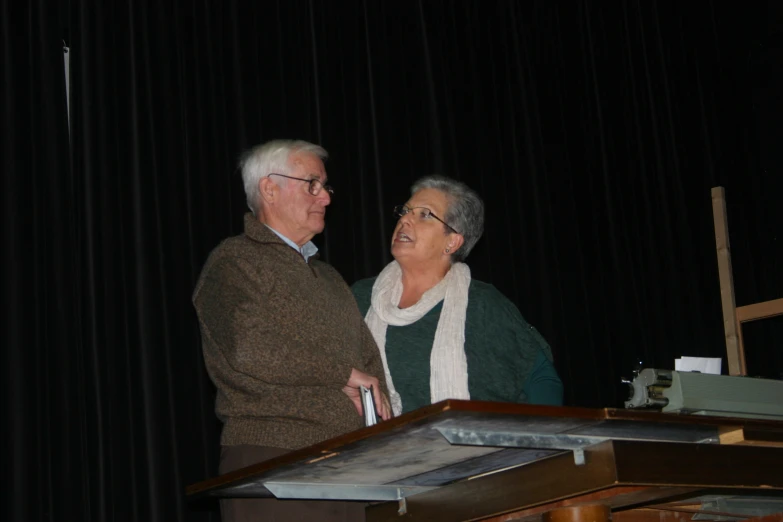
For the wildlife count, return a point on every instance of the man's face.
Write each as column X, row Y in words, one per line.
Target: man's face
column 300, row 215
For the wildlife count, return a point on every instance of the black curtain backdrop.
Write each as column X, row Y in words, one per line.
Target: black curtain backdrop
column 593, row 130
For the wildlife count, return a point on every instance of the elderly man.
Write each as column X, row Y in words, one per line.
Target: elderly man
column 283, row 339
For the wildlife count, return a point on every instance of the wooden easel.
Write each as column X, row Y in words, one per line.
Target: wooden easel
column 734, row 316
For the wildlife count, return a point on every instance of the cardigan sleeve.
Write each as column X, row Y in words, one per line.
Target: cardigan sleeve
column 544, row 386
column 521, row 347
column 362, row 292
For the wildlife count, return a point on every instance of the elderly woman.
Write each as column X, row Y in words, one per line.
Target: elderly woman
column 441, row 334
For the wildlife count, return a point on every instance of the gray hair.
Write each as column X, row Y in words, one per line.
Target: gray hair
column 465, row 212
column 268, row 158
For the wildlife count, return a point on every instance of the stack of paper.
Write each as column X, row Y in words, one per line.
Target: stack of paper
column 698, row 364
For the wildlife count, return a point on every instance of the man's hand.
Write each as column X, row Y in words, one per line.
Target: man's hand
column 351, row 389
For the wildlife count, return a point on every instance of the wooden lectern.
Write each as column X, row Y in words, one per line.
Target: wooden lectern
column 473, row 460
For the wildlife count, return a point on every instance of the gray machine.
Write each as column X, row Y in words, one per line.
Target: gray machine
column 706, row 394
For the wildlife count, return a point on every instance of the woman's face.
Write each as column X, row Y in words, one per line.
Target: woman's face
column 423, row 241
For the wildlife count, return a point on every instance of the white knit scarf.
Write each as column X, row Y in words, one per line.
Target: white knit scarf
column 448, row 364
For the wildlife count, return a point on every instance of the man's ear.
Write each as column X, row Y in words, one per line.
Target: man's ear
column 268, row 189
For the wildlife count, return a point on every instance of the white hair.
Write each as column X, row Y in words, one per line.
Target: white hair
column 268, row 158
column 465, row 212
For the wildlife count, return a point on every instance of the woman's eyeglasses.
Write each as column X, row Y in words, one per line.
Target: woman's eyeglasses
column 421, row 213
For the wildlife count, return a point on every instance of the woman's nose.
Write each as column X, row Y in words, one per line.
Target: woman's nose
column 408, row 217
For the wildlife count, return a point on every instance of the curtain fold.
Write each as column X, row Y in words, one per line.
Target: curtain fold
column 41, row 386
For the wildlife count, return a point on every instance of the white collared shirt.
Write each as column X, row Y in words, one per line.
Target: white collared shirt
column 308, row 250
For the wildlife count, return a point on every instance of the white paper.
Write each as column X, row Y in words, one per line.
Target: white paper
column 698, row 364
column 368, row 404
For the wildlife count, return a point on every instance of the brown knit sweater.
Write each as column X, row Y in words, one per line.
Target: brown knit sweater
column 280, row 338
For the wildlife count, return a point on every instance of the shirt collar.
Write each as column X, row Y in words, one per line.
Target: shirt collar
column 308, row 250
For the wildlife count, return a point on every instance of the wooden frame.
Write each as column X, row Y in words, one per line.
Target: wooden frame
column 460, row 461
column 734, row 316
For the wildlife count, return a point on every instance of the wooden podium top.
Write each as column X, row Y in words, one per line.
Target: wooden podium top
column 467, row 460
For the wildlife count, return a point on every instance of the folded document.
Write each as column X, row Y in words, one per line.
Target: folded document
column 368, row 405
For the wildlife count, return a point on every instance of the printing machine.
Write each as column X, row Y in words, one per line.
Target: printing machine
column 697, row 393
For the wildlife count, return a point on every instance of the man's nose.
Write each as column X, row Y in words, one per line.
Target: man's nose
column 324, row 197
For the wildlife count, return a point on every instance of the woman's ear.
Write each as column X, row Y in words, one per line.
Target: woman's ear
column 455, row 241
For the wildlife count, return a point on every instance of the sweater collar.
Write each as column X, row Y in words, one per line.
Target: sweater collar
column 257, row 231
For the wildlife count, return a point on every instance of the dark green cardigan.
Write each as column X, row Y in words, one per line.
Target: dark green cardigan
column 508, row 360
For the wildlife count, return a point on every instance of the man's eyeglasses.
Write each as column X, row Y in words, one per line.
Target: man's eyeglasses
column 315, row 184
column 421, row 213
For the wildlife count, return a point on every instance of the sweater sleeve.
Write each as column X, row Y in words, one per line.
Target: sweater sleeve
column 362, row 292
column 373, row 362
column 247, row 336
